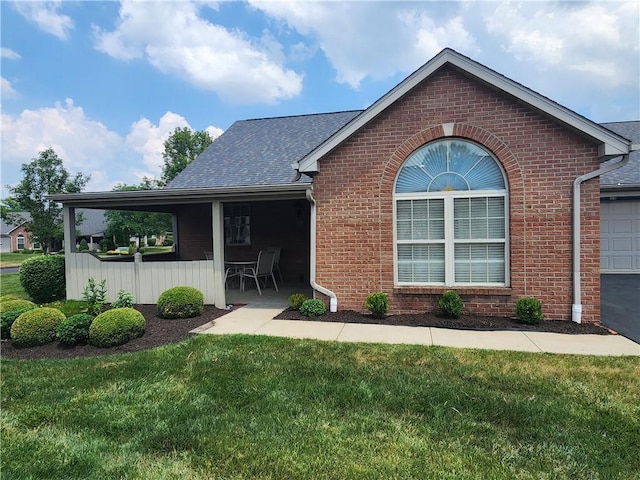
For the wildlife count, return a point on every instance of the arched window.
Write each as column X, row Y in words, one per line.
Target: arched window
column 451, row 217
column 20, row 240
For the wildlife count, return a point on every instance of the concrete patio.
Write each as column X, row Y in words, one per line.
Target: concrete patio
column 256, row 318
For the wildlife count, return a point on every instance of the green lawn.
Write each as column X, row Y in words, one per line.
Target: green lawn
column 250, row 407
column 10, row 285
column 14, row 259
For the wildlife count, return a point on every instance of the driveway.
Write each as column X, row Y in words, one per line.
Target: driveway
column 620, row 304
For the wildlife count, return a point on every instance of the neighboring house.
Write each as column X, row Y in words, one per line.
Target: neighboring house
column 14, row 236
column 458, row 178
column 92, row 227
column 620, row 209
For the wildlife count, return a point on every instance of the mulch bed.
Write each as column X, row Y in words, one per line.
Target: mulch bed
column 161, row 332
column 465, row 322
column 158, row 332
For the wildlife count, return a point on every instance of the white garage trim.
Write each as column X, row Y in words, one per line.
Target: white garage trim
column 620, row 236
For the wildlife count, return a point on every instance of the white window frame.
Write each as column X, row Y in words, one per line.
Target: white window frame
column 449, row 238
column 18, row 241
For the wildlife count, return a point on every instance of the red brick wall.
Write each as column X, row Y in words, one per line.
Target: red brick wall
column 354, row 193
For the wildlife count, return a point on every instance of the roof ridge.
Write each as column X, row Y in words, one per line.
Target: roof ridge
column 317, row 114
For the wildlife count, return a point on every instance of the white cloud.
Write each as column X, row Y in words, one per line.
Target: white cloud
column 87, row 145
column 9, row 54
column 600, row 38
column 45, row 15
column 172, row 37
column 7, row 90
column 374, row 39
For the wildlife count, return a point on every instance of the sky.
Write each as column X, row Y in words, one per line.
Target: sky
column 105, row 83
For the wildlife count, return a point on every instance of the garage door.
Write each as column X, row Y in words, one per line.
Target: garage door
column 620, row 236
column 5, row 244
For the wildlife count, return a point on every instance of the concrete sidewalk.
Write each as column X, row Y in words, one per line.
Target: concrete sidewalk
column 258, row 320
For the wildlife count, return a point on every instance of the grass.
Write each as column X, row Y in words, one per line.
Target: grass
column 10, row 286
column 251, row 407
column 14, row 259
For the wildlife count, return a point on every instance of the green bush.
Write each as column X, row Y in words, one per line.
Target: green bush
column 115, row 327
column 123, row 300
column 296, row 300
column 313, row 308
column 151, row 242
column 167, row 242
column 180, row 302
column 8, row 305
column 8, row 317
column 529, row 310
column 106, row 245
column 36, row 327
column 94, row 294
column 42, row 278
column 74, row 330
column 378, row 304
column 451, row 304
column 84, row 246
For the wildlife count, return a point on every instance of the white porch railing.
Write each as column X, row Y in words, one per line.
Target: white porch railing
column 145, row 280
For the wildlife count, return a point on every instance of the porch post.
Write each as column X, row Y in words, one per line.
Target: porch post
column 218, row 254
column 69, row 226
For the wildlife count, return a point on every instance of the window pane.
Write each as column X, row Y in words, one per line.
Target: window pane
column 479, row 263
column 421, row 263
column 446, row 165
column 420, row 219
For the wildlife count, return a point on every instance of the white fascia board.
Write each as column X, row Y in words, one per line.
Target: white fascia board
column 612, row 144
column 133, row 198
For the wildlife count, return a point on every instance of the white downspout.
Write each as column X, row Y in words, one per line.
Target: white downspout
column 333, row 299
column 576, row 310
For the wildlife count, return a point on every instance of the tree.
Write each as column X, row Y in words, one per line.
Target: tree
column 44, row 176
column 180, row 149
column 124, row 224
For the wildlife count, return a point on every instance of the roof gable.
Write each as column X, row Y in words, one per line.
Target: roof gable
column 611, row 144
column 260, row 151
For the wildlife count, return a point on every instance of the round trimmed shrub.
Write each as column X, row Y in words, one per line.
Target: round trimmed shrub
column 7, row 318
column 378, row 304
column 116, row 326
column 74, row 330
column 9, row 305
column 451, row 304
column 296, row 300
column 313, row 308
column 180, row 302
column 529, row 310
column 42, row 278
column 36, row 327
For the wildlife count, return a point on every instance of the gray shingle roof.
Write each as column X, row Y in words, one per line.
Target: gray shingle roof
column 260, row 151
column 94, row 222
column 629, row 175
column 8, row 227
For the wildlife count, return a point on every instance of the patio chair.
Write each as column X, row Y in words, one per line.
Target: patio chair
column 263, row 269
column 276, row 260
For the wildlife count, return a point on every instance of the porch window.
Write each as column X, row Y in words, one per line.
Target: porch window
column 20, row 240
column 237, row 224
column 451, row 217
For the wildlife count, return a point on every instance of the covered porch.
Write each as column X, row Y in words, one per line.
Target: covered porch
column 208, row 230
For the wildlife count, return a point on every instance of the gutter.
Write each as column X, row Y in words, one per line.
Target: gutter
column 333, row 299
column 576, row 309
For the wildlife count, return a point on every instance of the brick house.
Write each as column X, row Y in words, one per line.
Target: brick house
column 458, row 178
column 14, row 237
